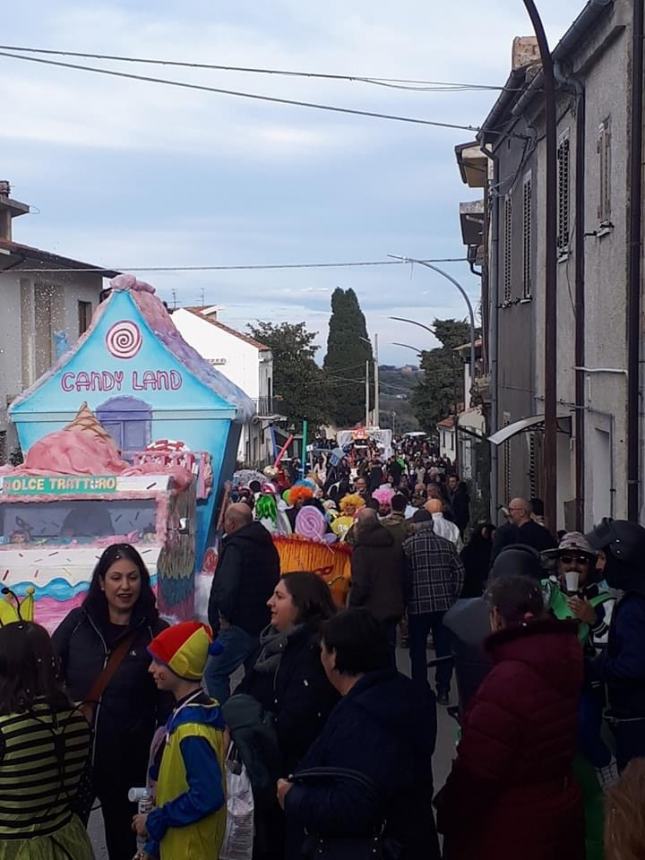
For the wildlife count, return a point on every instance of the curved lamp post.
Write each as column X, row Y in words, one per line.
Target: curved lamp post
column 455, row 283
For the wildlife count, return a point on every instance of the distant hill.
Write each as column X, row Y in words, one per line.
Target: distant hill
column 396, row 384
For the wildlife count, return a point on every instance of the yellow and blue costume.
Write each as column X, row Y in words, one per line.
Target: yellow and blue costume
column 190, row 815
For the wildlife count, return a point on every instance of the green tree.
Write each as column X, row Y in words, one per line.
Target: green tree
column 441, row 390
column 299, row 385
column 348, row 348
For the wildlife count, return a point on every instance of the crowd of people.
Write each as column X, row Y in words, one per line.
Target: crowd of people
column 545, row 638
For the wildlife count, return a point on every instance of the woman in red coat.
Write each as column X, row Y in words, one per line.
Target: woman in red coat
column 511, row 795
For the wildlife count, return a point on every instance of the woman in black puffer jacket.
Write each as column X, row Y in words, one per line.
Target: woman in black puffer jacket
column 119, row 604
column 288, row 679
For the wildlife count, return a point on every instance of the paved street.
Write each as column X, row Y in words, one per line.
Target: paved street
column 446, row 735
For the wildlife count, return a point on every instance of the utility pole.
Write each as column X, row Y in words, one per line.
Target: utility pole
column 377, row 410
column 367, row 394
column 550, row 474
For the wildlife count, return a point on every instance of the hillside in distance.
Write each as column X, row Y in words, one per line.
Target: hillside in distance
column 396, row 384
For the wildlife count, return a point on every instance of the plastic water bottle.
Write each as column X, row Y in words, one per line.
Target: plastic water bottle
column 143, row 798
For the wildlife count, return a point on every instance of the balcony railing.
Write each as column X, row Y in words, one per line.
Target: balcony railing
column 266, row 407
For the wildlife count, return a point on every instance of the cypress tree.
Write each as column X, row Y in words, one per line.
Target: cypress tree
column 345, row 360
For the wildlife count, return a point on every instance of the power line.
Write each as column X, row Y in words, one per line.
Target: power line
column 422, row 85
column 244, row 95
column 259, row 267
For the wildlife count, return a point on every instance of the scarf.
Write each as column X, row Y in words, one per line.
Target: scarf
column 272, row 646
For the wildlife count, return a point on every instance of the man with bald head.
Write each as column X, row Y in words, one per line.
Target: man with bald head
column 522, row 528
column 441, row 526
column 247, row 572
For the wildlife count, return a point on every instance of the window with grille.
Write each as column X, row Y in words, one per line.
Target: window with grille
column 527, row 235
column 604, row 173
column 564, row 183
column 507, row 248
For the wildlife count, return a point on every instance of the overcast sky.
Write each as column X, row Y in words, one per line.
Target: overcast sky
column 122, row 173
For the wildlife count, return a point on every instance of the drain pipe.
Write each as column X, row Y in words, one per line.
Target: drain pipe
column 579, row 322
column 493, row 352
column 634, row 270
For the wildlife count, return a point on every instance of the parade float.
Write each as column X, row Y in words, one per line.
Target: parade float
column 127, row 439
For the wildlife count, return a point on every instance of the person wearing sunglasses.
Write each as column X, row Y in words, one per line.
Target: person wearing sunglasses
column 577, row 591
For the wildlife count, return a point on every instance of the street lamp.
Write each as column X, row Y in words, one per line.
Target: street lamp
column 455, row 283
column 418, row 351
column 414, row 322
column 551, row 273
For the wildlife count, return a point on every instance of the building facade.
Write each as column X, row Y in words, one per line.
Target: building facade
column 47, row 303
column 593, row 63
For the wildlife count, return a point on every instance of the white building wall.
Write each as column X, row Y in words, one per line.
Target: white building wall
column 237, row 359
column 606, row 287
column 250, row 368
column 605, row 79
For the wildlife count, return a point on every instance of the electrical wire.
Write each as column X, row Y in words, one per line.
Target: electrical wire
column 406, row 83
column 259, row 267
column 244, row 95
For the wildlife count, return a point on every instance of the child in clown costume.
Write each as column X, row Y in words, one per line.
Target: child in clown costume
column 189, row 818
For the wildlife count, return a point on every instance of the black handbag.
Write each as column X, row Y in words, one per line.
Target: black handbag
column 371, row 846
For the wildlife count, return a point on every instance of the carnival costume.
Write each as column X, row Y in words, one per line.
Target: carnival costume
column 189, row 819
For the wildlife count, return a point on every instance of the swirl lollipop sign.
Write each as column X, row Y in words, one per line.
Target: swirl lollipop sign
column 124, row 339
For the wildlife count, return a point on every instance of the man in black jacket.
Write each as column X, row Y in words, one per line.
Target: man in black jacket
column 459, row 501
column 377, row 573
column 523, row 529
column 247, row 572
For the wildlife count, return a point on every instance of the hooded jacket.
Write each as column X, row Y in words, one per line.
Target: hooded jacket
column 512, row 777
column 130, row 707
column 377, row 572
column 384, row 728
column 247, row 572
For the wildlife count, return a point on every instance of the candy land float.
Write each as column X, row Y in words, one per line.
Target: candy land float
column 125, row 440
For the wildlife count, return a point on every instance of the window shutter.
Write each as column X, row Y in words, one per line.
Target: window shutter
column 527, row 235
column 507, row 248
column 563, row 194
column 604, row 172
column 506, row 420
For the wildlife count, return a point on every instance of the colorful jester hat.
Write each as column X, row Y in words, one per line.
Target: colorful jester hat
column 12, row 609
column 184, row 648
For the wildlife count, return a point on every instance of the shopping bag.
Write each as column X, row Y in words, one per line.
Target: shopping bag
column 238, row 839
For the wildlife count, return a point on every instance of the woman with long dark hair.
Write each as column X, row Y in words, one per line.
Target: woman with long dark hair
column 44, row 745
column 287, row 677
column 289, row 681
column 104, row 659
